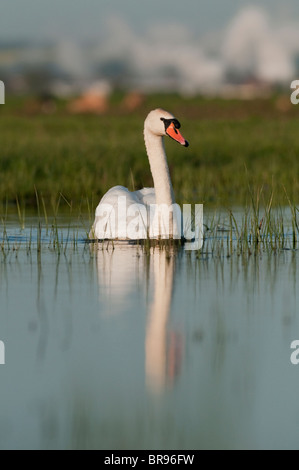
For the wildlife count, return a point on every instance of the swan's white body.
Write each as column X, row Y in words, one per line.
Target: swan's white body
column 149, row 212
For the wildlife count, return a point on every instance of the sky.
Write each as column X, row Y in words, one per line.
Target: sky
column 84, row 19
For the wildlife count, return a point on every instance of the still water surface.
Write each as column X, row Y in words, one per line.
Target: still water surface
column 122, row 349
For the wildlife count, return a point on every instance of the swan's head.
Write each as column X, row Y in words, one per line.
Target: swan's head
column 161, row 122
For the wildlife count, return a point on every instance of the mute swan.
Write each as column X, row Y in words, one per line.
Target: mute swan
column 149, row 212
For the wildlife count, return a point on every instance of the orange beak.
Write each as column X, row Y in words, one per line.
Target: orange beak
column 175, row 134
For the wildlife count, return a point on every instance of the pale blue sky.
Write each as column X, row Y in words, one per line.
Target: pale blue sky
column 84, row 19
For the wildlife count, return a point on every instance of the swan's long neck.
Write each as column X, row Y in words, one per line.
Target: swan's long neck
column 159, row 168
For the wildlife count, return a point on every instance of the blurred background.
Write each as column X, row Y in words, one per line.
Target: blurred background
column 224, row 49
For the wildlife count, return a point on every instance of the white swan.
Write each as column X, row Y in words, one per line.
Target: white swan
column 149, row 212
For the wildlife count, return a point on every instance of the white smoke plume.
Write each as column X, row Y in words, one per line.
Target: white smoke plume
column 255, row 46
column 252, row 46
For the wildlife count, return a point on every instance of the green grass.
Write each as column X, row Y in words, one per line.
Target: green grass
column 236, row 149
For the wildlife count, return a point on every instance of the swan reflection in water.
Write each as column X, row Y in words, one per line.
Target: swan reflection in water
column 125, row 271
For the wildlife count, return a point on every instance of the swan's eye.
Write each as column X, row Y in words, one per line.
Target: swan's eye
column 173, row 121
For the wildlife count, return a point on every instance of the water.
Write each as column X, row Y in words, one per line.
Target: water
column 122, row 349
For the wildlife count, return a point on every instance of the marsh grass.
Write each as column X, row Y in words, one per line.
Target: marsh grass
column 252, row 232
column 233, row 144
column 40, row 230
column 226, row 234
column 64, row 228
